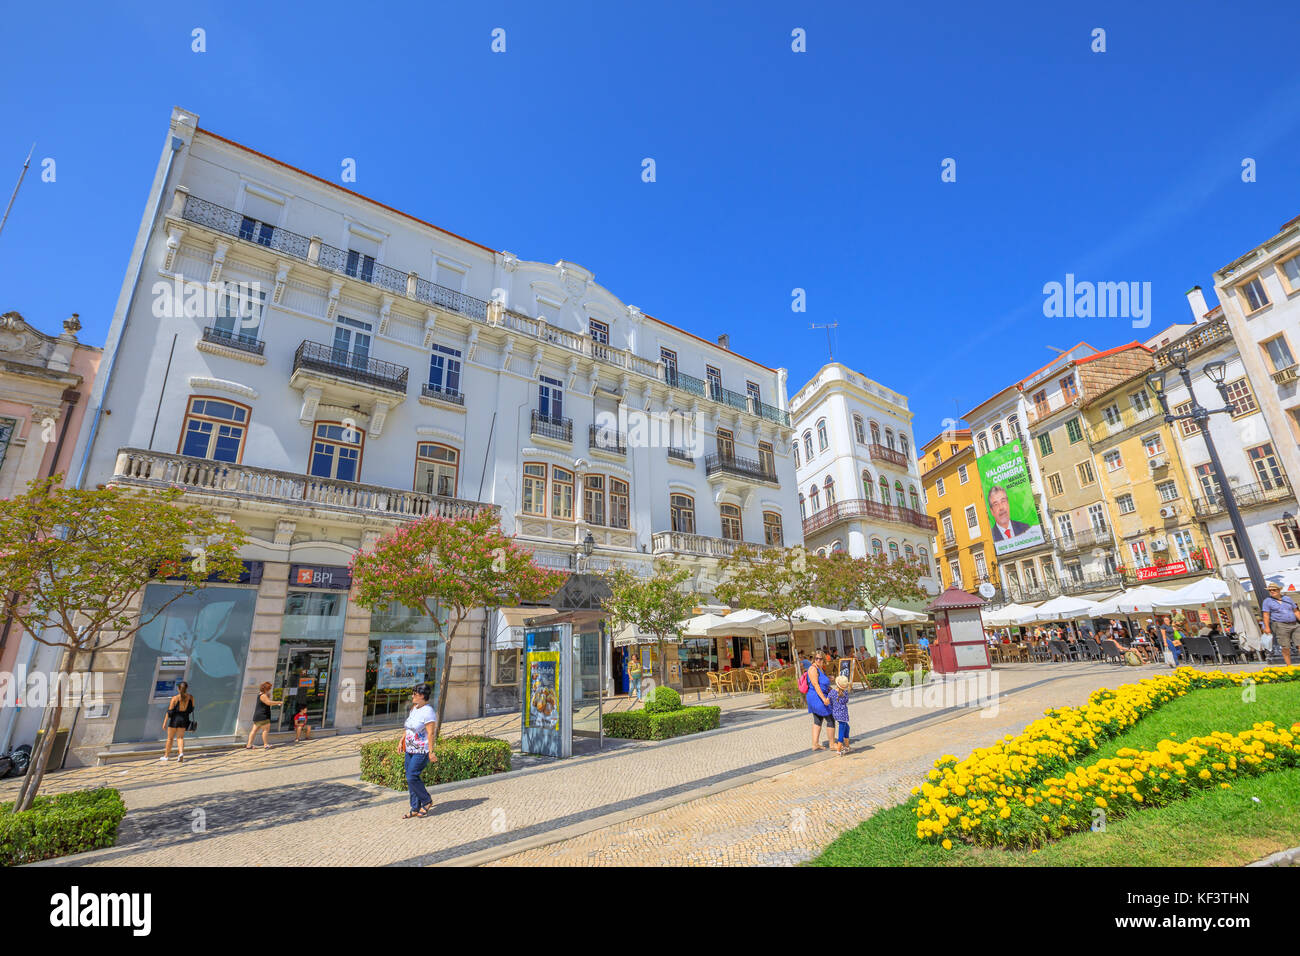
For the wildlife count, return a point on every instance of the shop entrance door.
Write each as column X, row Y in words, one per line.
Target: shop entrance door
column 303, row 677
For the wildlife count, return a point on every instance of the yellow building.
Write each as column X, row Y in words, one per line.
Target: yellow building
column 1138, row 464
column 963, row 546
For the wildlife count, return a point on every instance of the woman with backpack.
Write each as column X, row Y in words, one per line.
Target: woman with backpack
column 816, row 687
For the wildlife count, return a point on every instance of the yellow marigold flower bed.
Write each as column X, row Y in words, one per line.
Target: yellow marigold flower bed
column 993, row 796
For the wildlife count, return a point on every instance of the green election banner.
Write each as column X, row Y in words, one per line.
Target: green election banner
column 1009, row 499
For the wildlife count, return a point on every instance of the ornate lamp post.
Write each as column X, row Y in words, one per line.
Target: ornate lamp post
column 1216, row 372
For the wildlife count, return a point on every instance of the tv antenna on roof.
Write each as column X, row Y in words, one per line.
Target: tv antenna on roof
column 827, row 327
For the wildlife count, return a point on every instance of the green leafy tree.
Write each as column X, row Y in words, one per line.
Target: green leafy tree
column 776, row 580
column 452, row 565
column 76, row 562
column 654, row 604
column 884, row 582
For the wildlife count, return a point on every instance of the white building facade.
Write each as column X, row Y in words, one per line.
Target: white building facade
column 322, row 367
column 860, row 489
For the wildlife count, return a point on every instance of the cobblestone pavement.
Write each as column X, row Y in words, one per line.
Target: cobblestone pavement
column 750, row 792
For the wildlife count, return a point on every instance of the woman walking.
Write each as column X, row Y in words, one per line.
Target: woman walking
column 819, row 702
column 180, row 709
column 417, row 740
column 262, row 715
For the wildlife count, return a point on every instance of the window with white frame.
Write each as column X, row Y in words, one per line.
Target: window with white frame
column 1231, row 550
column 859, row 430
column 945, row 519
column 972, row 520
column 1113, row 460
column 981, row 568
column 821, row 435
column 1097, row 517
column 938, row 487
column 1138, row 550
column 1125, row 504
column 1287, row 536
column 444, row 371
column 963, row 475
column 239, row 312
column 436, row 468
column 1182, row 544
column 351, row 342
column 1268, row 472
column 1168, row 490
column 1153, row 445
column 550, row 398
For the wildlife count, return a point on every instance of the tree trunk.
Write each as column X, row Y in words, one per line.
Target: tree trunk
column 36, row 772
column 443, row 680
column 663, row 665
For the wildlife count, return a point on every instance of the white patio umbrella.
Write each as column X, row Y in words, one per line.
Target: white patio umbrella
column 1204, row 591
column 1136, row 600
column 1288, row 578
column 1006, row 616
column 1244, row 610
column 700, row 626
column 1063, row 608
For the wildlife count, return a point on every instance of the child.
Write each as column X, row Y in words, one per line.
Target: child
column 840, row 711
column 300, row 728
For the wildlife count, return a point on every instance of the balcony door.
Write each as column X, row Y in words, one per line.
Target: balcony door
column 435, row 469
column 726, row 445
column 336, row 452
column 352, row 342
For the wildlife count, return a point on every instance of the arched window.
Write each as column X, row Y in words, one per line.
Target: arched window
column 902, row 444
column 821, row 552
column 814, row 498
column 898, row 494
column 214, row 429
column 889, row 438
column 807, row 445
column 877, row 547
column 924, row 554
column 803, row 512
column 681, row 513
column 730, row 522
column 837, row 545
column 830, row 490
column 884, row 490
column 998, row 440
column 336, row 451
column 916, row 502
column 435, row 469
column 1013, row 423
column 983, row 442
column 893, row 551
column 772, row 533
column 796, row 454
column 875, row 434
column 859, row 432
column 909, row 554
column 867, row 490
column 821, row 435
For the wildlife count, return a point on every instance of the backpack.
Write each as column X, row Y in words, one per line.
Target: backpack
column 803, row 682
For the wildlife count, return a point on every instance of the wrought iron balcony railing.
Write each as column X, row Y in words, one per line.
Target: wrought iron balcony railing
column 355, row 366
column 881, row 453
column 681, row 454
column 863, row 508
column 443, row 394
column 547, row 426
column 741, row 467
column 1087, row 538
column 234, row 340
column 607, row 439
column 1246, row 496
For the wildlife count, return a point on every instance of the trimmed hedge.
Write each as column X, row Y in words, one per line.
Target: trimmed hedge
column 783, row 694
column 887, row 680
column 459, row 758
column 663, row 700
column 640, row 725
column 60, row 825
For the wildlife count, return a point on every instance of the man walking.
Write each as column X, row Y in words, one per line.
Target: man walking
column 1280, row 620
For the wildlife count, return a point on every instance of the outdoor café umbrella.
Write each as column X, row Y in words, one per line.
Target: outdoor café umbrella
column 749, row 621
column 1063, row 608
column 700, row 626
column 1006, row 615
column 1243, row 613
column 1136, row 600
column 1204, row 591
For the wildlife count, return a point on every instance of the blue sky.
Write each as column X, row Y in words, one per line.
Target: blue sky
column 775, row 170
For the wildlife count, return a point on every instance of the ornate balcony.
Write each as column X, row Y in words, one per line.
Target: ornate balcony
column 281, row 490
column 739, row 467
column 1128, row 418
column 233, row 340
column 441, row 394
column 697, row 545
column 1247, row 496
column 1203, row 336
column 863, row 508
column 1285, row 376
column 556, row 429
column 681, row 454
column 1087, row 538
column 354, row 367
column 1088, row 583
column 881, row 453
column 608, row 440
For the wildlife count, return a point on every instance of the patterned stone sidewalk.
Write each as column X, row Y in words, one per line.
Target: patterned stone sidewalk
column 751, row 792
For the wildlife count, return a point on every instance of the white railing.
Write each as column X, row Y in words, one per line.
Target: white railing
column 701, row 544
column 158, row 470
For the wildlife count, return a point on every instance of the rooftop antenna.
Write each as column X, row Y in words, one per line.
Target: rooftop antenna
column 827, row 327
column 17, row 187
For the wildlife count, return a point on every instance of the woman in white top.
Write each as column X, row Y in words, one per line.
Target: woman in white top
column 418, row 737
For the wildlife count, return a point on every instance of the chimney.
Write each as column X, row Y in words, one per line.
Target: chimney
column 1196, row 299
column 725, row 341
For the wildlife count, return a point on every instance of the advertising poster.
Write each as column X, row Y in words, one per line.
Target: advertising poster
column 541, row 692
column 401, row 663
column 1009, row 499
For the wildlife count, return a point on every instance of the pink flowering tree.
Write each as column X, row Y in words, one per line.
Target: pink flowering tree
column 75, row 563
column 452, row 566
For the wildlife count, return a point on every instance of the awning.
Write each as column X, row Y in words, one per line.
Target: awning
column 509, row 629
column 629, row 635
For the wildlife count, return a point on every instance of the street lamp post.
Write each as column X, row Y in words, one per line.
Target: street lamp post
column 1216, row 372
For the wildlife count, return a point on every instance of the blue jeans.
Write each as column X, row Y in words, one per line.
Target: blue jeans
column 415, row 764
column 842, row 731
column 634, row 686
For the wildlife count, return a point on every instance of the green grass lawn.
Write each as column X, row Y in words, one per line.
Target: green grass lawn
column 1212, row 828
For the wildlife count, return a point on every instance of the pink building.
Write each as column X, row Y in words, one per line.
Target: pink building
column 44, row 390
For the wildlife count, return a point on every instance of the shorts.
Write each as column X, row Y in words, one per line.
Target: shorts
column 1284, row 634
column 842, row 732
column 823, row 720
column 259, row 724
